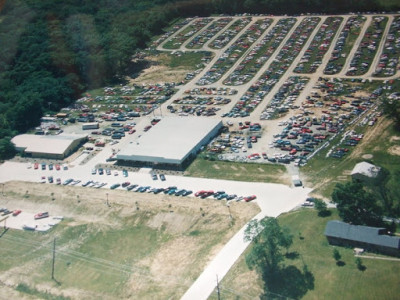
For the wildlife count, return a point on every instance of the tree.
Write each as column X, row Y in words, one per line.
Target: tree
column 265, row 256
column 359, row 264
column 268, row 238
column 356, row 205
column 336, row 255
column 392, row 109
column 7, row 149
column 321, row 207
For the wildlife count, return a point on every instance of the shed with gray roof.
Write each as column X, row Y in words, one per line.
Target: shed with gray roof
column 369, row 238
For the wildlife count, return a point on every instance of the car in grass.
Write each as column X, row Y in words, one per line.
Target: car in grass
column 41, row 215
column 249, row 198
column 114, row 186
column 16, row 212
column 162, row 177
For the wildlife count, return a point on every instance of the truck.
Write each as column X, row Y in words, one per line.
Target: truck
column 92, row 125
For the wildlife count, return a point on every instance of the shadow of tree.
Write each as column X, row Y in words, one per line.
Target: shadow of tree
column 292, row 255
column 324, row 213
column 340, row 263
column 288, row 282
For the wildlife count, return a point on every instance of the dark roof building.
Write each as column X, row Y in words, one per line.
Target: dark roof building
column 369, row 238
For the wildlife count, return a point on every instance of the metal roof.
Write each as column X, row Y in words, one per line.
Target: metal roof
column 171, row 140
column 51, row 144
column 366, row 169
column 359, row 233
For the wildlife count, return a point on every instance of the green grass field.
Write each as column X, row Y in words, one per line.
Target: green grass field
column 251, row 172
column 379, row 280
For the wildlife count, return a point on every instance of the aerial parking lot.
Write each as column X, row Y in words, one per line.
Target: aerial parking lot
column 284, row 87
column 283, row 92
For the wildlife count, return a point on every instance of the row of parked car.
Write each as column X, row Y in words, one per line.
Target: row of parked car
column 220, row 195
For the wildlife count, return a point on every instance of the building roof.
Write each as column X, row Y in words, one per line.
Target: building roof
column 359, row 233
column 171, row 140
column 366, row 169
column 51, row 144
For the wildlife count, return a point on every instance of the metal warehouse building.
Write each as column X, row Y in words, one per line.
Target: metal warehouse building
column 48, row 146
column 172, row 143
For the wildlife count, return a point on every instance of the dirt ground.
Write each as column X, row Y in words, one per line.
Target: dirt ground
column 176, row 216
column 157, row 72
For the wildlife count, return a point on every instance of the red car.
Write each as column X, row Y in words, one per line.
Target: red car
column 41, row 215
column 16, row 212
column 36, row 166
column 249, row 198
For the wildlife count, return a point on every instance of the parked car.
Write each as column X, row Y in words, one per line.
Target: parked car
column 162, row 177
column 249, row 198
column 114, row 186
column 41, row 215
column 16, row 212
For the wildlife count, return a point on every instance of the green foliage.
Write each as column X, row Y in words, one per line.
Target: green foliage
column 7, row 149
column 356, row 205
column 392, row 109
column 321, row 207
column 336, row 255
column 359, row 264
column 267, row 259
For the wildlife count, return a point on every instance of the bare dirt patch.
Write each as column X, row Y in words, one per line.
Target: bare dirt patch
column 367, row 156
column 157, row 72
column 394, row 150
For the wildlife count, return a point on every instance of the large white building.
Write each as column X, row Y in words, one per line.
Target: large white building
column 48, row 146
column 171, row 143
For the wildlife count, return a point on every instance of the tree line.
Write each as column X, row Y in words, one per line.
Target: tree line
column 53, row 50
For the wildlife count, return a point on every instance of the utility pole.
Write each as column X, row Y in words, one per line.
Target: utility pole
column 54, row 259
column 218, row 292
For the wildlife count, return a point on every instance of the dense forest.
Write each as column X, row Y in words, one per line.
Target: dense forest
column 53, row 50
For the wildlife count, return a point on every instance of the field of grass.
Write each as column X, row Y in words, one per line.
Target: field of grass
column 189, row 60
column 143, row 247
column 378, row 281
column 251, row 172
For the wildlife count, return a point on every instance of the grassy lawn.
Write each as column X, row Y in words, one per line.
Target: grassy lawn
column 378, row 281
column 251, row 172
column 189, row 60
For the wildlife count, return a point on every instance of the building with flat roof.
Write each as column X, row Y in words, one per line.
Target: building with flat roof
column 48, row 146
column 172, row 143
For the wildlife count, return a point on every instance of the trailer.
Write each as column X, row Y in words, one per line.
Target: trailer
column 93, row 125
